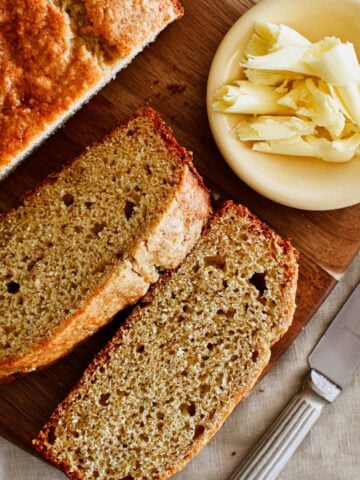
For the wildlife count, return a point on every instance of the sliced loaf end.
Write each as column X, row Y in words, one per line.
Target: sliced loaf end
column 76, row 48
column 92, row 239
column 181, row 362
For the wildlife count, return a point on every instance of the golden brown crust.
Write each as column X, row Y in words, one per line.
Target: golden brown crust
column 43, row 76
column 263, row 348
column 171, row 237
column 47, row 65
column 129, row 30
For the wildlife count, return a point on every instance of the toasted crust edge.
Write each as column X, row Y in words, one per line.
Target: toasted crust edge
column 194, row 214
column 41, row 442
column 178, row 8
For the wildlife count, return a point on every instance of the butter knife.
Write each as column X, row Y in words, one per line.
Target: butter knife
column 332, row 364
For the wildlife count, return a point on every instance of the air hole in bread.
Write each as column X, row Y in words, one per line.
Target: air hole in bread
column 188, row 409
column 98, row 228
column 204, row 388
column 227, row 313
column 129, row 209
column 199, row 430
column 254, row 356
column 216, row 261
column 13, row 287
column 128, row 477
column 259, row 282
column 104, row 399
column 78, row 229
column 144, row 437
column 132, row 132
column 140, row 349
column 100, row 268
column 32, row 263
column 68, row 199
column 187, row 308
column 148, row 169
column 51, row 437
column 88, row 205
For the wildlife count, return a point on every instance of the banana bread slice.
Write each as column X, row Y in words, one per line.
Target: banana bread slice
column 182, row 361
column 56, row 54
column 92, row 239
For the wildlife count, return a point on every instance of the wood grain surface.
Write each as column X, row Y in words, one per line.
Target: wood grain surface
column 171, row 76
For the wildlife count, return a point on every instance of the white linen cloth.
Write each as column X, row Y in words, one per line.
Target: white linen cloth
column 331, row 451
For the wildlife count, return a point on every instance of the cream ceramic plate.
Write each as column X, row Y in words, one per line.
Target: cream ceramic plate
column 298, row 182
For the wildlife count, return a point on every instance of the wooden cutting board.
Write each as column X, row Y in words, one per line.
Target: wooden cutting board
column 171, row 76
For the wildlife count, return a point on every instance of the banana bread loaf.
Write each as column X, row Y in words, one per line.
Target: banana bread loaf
column 57, row 53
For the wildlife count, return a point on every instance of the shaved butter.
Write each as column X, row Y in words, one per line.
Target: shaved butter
column 349, row 96
column 296, row 146
column 267, row 77
column 337, row 151
column 269, row 37
column 273, row 128
column 312, row 100
column 337, row 64
column 288, row 58
column 302, row 98
column 247, row 98
column 333, row 61
column 276, row 47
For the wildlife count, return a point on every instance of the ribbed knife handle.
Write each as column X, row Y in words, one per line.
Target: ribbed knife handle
column 279, row 443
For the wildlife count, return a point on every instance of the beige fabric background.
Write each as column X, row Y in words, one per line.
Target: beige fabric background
column 330, row 452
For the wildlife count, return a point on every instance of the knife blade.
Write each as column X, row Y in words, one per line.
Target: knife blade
column 337, row 355
column 333, row 362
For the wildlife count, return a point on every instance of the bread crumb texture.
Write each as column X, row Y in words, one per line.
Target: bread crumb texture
column 54, row 51
column 93, row 238
column 182, row 360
